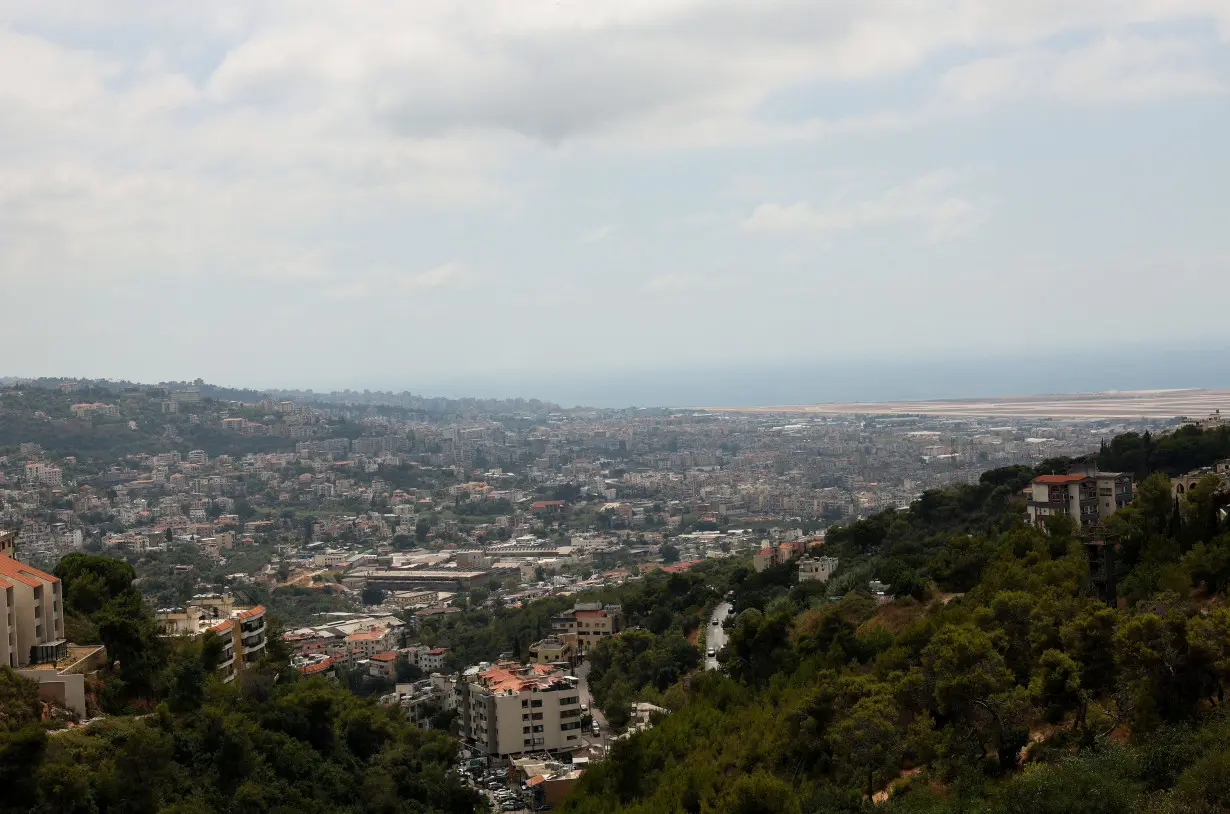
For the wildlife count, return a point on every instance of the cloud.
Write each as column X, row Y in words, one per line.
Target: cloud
column 597, row 234
column 672, row 282
column 1110, row 69
column 394, row 283
column 930, row 201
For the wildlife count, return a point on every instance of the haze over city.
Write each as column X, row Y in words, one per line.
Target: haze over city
column 654, row 203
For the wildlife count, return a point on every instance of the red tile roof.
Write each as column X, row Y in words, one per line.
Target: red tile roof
column 251, row 613
column 25, row 574
column 319, row 666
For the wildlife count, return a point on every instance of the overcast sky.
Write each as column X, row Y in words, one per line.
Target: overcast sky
column 392, row 194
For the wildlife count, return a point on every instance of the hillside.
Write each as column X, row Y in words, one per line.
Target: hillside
column 996, row 681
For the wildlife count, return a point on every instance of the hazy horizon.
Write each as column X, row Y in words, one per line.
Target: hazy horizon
column 809, row 382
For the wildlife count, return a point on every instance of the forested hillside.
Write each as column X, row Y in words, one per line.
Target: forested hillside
column 995, row 680
column 179, row 740
column 252, row 746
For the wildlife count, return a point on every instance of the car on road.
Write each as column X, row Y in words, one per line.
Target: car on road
column 715, row 622
column 510, row 806
column 597, row 730
column 711, row 653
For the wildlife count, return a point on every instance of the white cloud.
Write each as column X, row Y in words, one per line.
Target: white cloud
column 262, row 151
column 1111, row 69
column 931, row 201
column 598, row 234
column 394, row 283
column 672, row 282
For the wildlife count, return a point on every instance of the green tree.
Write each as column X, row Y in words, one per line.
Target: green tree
column 867, row 739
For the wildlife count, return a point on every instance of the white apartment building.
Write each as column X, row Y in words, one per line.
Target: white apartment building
column 428, row 659
column 510, row 708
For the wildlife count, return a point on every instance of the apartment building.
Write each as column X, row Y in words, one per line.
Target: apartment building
column 44, row 474
column 586, row 623
column 512, row 708
column 778, row 554
column 31, row 611
column 552, row 650
column 85, row 411
column 243, row 638
column 241, row 629
column 364, row 644
column 1088, row 497
column 427, row 659
column 817, row 569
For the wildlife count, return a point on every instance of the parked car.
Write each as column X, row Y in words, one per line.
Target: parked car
column 711, row 653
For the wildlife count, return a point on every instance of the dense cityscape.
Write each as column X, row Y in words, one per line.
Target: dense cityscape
column 376, row 540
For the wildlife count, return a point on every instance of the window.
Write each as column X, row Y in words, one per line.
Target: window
column 525, row 730
column 535, row 703
column 525, row 704
column 537, row 716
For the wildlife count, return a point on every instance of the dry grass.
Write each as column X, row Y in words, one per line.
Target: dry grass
column 895, row 616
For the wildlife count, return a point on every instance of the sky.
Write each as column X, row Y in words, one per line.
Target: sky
column 513, row 197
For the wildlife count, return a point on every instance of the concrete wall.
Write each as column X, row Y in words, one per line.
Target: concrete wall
column 66, row 690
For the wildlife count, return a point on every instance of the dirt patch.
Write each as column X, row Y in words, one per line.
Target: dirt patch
column 903, row 778
column 895, row 616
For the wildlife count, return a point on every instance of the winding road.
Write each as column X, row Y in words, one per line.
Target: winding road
column 715, row 635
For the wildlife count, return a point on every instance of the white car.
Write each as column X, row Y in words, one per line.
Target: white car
column 711, row 653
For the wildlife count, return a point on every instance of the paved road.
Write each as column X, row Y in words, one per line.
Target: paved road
column 715, row 636
column 582, row 673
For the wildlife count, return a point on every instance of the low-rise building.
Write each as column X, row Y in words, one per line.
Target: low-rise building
column 553, row 650
column 587, row 623
column 817, row 569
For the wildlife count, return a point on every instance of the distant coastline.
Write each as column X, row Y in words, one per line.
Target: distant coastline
column 1196, row 403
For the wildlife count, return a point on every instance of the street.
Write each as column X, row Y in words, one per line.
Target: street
column 582, row 673
column 715, row 635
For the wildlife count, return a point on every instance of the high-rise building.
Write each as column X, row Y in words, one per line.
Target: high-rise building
column 241, row 629
column 510, row 708
column 1087, row 497
column 31, row 611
